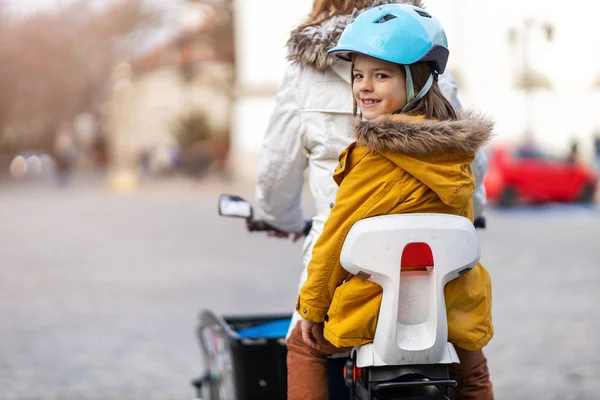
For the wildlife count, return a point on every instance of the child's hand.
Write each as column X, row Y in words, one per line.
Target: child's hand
column 308, row 335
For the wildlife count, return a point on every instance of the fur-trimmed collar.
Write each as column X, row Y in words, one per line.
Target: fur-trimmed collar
column 406, row 135
column 308, row 46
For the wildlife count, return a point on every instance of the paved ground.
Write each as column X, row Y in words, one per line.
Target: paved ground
column 99, row 292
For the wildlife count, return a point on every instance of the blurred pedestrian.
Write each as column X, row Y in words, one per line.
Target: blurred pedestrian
column 64, row 155
column 573, row 155
column 597, row 151
column 145, row 162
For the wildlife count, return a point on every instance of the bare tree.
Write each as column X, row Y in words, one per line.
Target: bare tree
column 218, row 30
column 56, row 65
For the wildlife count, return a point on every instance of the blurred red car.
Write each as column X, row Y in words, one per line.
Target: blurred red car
column 527, row 174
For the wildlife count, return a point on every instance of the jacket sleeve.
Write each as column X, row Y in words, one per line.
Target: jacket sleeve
column 360, row 196
column 283, row 159
column 449, row 89
column 480, row 164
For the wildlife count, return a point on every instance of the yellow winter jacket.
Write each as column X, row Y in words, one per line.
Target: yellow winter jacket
column 398, row 165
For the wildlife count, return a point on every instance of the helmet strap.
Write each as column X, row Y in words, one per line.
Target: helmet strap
column 410, row 89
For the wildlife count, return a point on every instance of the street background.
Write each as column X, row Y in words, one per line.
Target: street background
column 99, row 293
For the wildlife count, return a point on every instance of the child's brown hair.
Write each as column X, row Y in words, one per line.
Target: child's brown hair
column 433, row 105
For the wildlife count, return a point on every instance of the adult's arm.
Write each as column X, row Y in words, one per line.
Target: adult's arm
column 283, row 159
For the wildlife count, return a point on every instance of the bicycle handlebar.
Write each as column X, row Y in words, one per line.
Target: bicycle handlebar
column 254, row 225
column 479, row 222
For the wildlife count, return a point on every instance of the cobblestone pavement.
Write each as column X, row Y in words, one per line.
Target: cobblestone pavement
column 99, row 293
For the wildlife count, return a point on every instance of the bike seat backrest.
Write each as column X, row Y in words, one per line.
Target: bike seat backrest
column 412, row 257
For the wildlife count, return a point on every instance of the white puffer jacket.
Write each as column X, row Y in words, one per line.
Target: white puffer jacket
column 311, row 124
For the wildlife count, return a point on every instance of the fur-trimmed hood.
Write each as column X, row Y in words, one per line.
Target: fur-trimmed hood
column 437, row 153
column 308, row 47
column 416, row 136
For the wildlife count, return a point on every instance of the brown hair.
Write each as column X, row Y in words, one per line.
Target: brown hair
column 433, row 105
column 325, row 9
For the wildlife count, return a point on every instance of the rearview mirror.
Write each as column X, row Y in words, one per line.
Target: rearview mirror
column 234, row 206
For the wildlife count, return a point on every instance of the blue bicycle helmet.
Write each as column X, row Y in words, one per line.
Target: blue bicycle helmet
column 398, row 33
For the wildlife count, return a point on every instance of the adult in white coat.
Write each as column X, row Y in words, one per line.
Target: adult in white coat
column 313, row 122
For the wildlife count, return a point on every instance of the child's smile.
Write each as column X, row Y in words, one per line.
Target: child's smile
column 369, row 102
column 378, row 86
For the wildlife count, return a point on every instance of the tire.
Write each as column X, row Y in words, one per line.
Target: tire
column 508, row 198
column 586, row 195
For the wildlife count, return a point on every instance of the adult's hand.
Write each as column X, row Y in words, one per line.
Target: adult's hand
column 285, row 235
column 296, row 235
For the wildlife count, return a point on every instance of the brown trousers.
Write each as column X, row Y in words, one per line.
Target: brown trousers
column 307, row 370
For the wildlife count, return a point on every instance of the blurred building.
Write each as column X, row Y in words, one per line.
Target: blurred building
column 191, row 73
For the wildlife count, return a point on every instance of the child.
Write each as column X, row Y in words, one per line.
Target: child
column 412, row 154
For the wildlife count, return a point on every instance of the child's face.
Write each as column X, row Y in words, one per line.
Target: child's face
column 379, row 86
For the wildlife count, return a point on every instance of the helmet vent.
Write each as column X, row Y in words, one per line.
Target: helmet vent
column 423, row 13
column 385, row 18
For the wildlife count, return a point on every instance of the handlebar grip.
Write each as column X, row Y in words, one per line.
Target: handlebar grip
column 254, row 225
column 260, row 226
column 479, row 222
column 307, row 227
